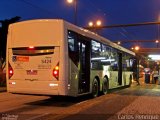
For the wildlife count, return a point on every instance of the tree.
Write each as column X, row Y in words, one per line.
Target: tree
column 3, row 37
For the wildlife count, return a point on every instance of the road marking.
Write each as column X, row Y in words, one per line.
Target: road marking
column 81, row 102
column 38, row 116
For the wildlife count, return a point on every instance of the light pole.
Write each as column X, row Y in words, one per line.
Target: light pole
column 158, row 32
column 136, row 71
column 138, row 62
column 75, row 9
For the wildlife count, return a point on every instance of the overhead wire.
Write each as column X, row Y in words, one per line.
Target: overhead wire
column 104, row 13
column 93, row 5
column 38, row 7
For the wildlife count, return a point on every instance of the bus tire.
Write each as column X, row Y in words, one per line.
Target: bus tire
column 130, row 80
column 95, row 88
column 105, row 86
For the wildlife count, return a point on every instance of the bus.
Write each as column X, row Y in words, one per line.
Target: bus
column 55, row 57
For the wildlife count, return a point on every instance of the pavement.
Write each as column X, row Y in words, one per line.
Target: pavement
column 142, row 82
column 135, row 103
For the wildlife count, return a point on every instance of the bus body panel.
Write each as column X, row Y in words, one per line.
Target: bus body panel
column 33, row 87
column 34, row 50
column 34, row 67
column 36, row 33
column 33, row 70
column 72, row 79
column 73, row 71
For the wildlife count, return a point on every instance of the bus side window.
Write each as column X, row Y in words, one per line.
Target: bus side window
column 114, row 62
column 73, row 47
column 106, row 54
column 96, row 56
column 126, row 62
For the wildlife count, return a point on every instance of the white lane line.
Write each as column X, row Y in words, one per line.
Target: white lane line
column 38, row 116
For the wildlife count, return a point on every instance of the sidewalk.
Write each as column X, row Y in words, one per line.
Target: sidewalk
column 143, row 84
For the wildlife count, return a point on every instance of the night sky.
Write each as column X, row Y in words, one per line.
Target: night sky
column 109, row 11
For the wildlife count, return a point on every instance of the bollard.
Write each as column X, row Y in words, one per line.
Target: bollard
column 147, row 78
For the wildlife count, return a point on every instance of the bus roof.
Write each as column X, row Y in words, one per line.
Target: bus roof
column 80, row 30
column 97, row 37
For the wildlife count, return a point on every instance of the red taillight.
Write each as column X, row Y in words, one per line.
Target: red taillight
column 10, row 71
column 31, row 47
column 56, row 71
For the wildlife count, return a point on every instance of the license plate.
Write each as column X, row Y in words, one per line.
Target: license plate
column 32, row 72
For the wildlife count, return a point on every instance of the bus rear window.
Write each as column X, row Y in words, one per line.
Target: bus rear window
column 33, row 51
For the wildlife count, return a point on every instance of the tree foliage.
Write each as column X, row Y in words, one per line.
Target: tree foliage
column 3, row 37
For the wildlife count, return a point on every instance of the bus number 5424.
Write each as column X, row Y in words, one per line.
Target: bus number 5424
column 46, row 61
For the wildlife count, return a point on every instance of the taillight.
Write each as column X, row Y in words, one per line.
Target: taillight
column 31, row 47
column 10, row 71
column 56, row 71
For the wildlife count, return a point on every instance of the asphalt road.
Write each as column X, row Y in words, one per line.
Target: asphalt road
column 135, row 103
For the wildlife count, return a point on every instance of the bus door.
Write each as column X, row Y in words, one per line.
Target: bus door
column 84, row 66
column 119, row 68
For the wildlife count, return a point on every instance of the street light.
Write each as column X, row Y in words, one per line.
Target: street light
column 118, row 42
column 136, row 48
column 70, row 1
column 75, row 9
column 157, row 42
column 95, row 24
column 90, row 24
column 98, row 23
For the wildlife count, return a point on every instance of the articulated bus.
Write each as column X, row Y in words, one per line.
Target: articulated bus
column 54, row 57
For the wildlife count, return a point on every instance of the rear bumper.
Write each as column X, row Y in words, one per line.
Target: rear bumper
column 33, row 92
column 34, row 87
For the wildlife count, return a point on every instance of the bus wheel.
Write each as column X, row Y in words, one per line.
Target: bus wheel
column 105, row 86
column 95, row 88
